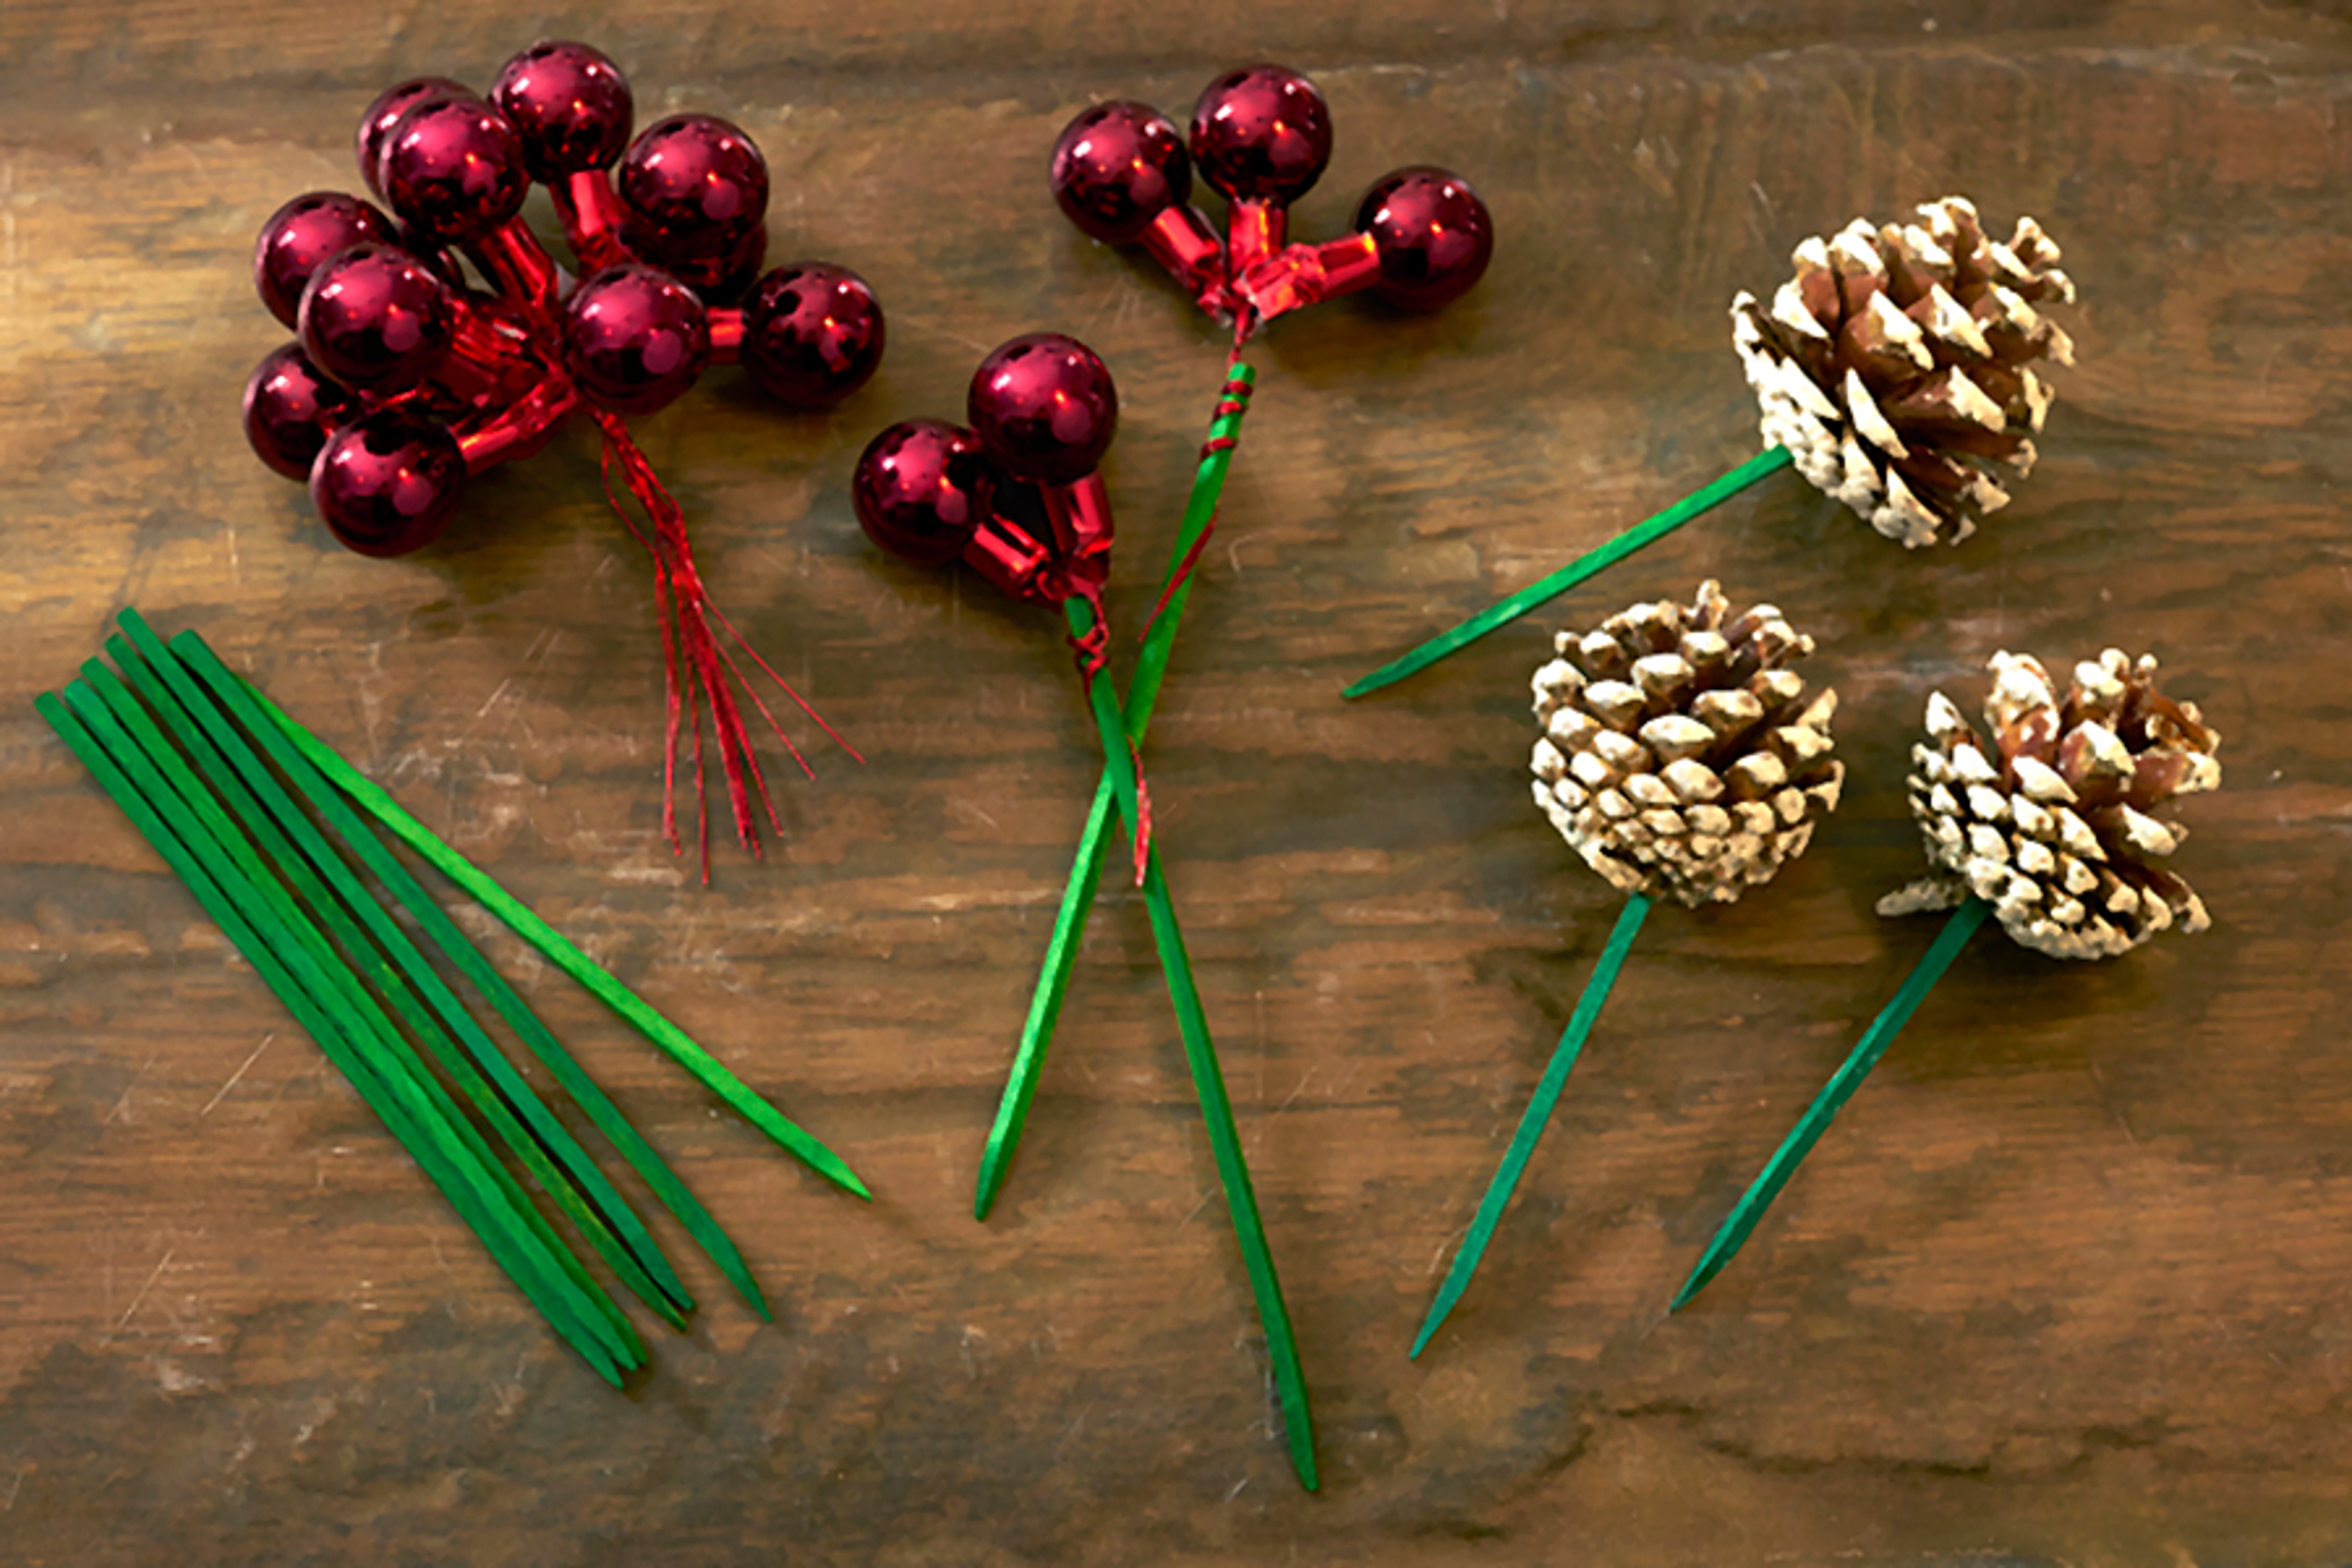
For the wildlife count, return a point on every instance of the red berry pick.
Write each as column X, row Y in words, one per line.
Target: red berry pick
column 303, row 233
column 569, row 107
column 634, row 338
column 405, row 380
column 1262, row 137
column 922, row 490
column 290, row 409
column 387, row 483
column 809, row 334
column 1120, row 172
column 697, row 192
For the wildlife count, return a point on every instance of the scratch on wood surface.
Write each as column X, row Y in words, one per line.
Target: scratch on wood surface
column 123, row 1102
column 132, row 1310
column 235, row 1076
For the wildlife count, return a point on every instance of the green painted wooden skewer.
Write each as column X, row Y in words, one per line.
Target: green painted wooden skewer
column 1209, row 1084
column 1770, row 461
column 244, row 704
column 1085, row 868
column 1535, row 1119
column 432, row 1011
column 1839, row 1088
column 558, row 949
column 249, row 924
column 345, row 996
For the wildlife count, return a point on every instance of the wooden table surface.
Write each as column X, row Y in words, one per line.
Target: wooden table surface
column 2068, row 1282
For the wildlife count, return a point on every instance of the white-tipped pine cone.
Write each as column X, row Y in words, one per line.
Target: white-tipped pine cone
column 1681, row 757
column 2050, row 824
column 1897, row 366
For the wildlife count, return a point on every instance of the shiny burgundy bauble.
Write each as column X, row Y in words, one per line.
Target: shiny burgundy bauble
column 569, row 106
column 454, row 168
column 385, row 113
column 375, row 319
column 1434, row 236
column 289, row 410
column 305, row 232
column 386, row 484
column 724, row 279
column 1044, row 407
column 634, row 339
column 1262, row 134
column 1116, row 167
column 922, row 490
column 695, row 187
column 813, row 334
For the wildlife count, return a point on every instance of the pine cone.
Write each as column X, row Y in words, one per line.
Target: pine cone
column 1897, row 366
column 2051, row 831
column 1680, row 757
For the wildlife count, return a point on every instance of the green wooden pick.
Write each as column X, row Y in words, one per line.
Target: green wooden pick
column 1641, row 534
column 1085, row 868
column 1744, row 1215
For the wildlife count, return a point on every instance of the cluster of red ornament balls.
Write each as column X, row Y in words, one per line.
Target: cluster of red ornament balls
column 1261, row 137
column 1042, row 409
column 405, row 379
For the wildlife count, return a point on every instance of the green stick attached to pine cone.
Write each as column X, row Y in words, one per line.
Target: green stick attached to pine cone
column 2046, row 828
column 1682, row 758
column 1894, row 371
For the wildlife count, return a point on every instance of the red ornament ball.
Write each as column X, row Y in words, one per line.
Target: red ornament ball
column 634, row 338
column 922, row 490
column 385, row 113
column 724, row 279
column 569, row 106
column 813, row 334
column 1434, row 236
column 454, row 168
column 305, row 232
column 1262, row 134
column 1044, row 407
column 290, row 408
column 386, row 484
column 1116, row 167
column 695, row 187
column 375, row 319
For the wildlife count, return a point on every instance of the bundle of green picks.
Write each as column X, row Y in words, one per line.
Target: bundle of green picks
column 240, row 800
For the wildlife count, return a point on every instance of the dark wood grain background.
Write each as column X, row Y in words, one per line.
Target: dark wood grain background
column 2070, row 1282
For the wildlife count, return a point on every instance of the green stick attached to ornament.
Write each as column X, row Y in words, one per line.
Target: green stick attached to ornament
column 1120, row 172
column 1018, row 499
column 2047, row 829
column 1682, row 758
column 1895, row 372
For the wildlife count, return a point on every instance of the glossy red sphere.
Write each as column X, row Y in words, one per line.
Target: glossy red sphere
column 813, row 334
column 385, row 113
column 1116, row 167
column 375, row 319
column 634, row 339
column 922, row 490
column 569, row 104
column 289, row 410
column 1434, row 236
column 305, row 232
column 1262, row 134
column 725, row 279
column 454, row 168
column 1044, row 407
column 386, row 484
column 695, row 187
